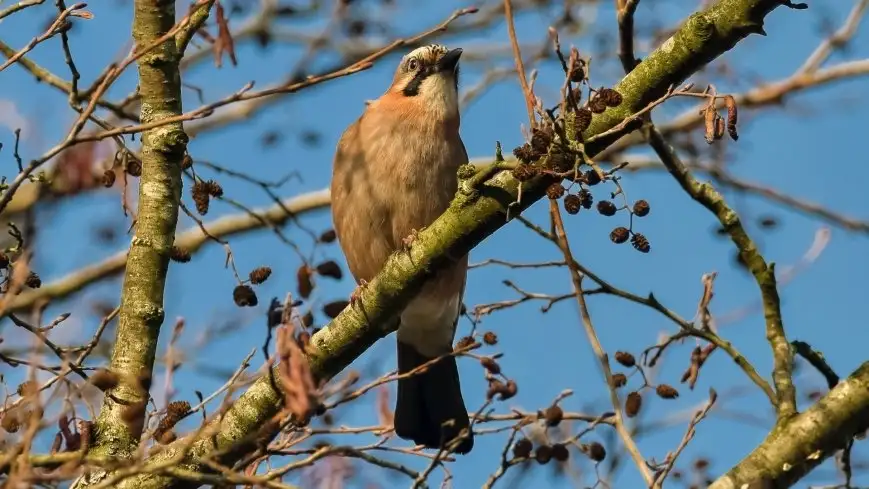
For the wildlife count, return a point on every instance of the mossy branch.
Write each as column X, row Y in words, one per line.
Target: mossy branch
column 198, row 15
column 806, row 440
column 468, row 221
column 702, row 37
column 119, row 425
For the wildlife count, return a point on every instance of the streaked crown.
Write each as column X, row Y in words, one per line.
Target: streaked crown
column 427, row 54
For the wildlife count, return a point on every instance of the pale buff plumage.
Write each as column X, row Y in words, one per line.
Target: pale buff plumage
column 395, row 172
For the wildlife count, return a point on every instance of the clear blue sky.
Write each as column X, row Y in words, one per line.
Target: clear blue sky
column 813, row 150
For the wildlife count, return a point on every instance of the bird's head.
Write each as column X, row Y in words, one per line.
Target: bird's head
column 430, row 74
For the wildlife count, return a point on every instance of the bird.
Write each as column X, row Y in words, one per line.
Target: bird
column 393, row 174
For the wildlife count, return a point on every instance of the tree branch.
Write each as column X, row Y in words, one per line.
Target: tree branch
column 603, row 359
column 794, row 448
column 191, row 241
column 469, row 220
column 198, row 16
column 764, row 274
column 119, row 425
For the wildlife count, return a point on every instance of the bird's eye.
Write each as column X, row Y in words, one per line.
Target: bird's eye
column 413, row 64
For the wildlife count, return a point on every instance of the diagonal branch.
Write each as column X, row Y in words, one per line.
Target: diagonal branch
column 469, row 220
column 601, row 354
column 764, row 273
column 794, row 448
column 191, row 241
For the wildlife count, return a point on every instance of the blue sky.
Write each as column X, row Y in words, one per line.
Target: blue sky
column 811, row 148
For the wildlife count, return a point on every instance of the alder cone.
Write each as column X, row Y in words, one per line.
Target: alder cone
column 522, row 448
column 553, row 415
column 665, row 391
column 304, row 282
column 560, row 452
column 641, row 208
column 596, row 451
column 606, row 208
column 555, row 191
column 633, row 404
column 543, row 454
column 572, row 204
column 619, row 235
column 259, row 275
column 244, row 296
column 490, row 338
column 625, row 359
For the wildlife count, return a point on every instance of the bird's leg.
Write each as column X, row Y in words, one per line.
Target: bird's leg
column 356, row 295
column 410, row 239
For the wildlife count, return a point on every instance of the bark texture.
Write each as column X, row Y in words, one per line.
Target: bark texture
column 119, row 425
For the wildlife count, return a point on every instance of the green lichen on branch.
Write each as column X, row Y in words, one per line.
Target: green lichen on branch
column 701, row 38
column 465, row 224
column 197, row 18
column 806, row 440
column 764, row 274
column 141, row 314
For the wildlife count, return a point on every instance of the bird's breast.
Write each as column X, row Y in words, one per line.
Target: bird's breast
column 391, row 177
column 417, row 168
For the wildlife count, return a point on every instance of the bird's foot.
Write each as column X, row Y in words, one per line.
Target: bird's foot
column 410, row 239
column 356, row 295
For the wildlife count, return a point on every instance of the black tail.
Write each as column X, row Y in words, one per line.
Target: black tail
column 430, row 409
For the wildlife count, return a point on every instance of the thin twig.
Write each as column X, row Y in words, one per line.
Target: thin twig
column 625, row 10
column 517, row 56
column 600, row 353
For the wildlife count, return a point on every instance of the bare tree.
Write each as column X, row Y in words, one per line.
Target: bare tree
column 585, row 144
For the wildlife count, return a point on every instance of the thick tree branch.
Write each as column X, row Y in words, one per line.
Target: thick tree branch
column 469, row 220
column 119, row 425
column 191, row 241
column 703, row 37
column 799, row 445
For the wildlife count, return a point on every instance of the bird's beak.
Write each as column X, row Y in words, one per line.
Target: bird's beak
column 450, row 60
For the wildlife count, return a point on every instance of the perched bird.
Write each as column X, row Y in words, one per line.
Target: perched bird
column 394, row 173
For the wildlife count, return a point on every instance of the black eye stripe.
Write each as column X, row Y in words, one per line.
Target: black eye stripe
column 412, row 87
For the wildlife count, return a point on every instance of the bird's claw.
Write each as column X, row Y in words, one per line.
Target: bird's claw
column 356, row 295
column 410, row 239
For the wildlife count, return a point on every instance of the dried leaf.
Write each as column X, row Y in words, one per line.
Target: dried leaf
column 384, row 413
column 224, row 43
column 294, row 373
column 732, row 116
column 709, row 117
column 719, row 128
